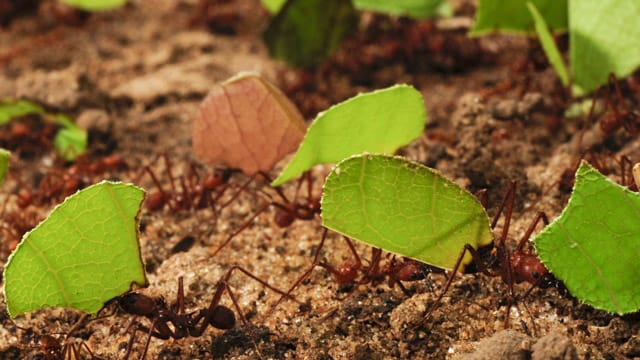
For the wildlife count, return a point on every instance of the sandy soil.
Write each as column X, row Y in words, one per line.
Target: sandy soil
column 134, row 77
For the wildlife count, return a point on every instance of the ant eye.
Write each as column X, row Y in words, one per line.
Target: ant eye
column 535, row 274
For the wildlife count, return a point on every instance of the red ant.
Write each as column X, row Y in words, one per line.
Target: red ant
column 620, row 116
column 396, row 271
column 58, row 183
column 173, row 322
column 521, row 265
column 28, row 135
column 14, row 224
column 194, row 193
column 288, row 211
column 53, row 348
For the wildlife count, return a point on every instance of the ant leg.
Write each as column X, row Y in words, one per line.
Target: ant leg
column 527, row 235
column 168, row 166
column 483, row 197
column 244, row 320
column 154, row 202
column 348, row 271
column 180, row 296
column 454, row 271
column 235, row 195
column 309, row 179
column 241, row 228
column 508, row 199
column 306, row 273
column 277, row 189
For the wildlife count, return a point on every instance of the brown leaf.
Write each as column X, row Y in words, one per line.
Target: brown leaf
column 247, row 123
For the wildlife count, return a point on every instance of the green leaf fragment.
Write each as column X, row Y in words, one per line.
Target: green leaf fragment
column 604, row 38
column 548, row 44
column 4, row 164
column 84, row 254
column 305, row 32
column 11, row 109
column 379, row 122
column 273, row 5
column 95, row 5
column 513, row 15
column 413, row 8
column 70, row 141
column 594, row 245
column 404, row 208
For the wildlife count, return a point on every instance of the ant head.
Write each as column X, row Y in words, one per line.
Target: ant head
column 50, row 346
column 137, row 304
column 411, row 271
column 610, row 122
column 217, row 178
column 155, row 201
column 528, row 267
column 222, row 318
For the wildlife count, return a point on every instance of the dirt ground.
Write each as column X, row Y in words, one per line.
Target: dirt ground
column 135, row 76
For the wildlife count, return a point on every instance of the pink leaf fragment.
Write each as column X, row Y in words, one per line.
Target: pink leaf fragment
column 247, row 123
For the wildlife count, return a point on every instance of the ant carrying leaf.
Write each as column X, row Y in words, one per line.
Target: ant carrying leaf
column 173, row 322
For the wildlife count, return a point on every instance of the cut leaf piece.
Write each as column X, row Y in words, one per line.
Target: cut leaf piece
column 84, row 254
column 247, row 123
column 70, row 141
column 305, row 32
column 379, row 122
column 4, row 164
column 95, row 5
column 10, row 109
column 273, row 5
column 404, row 208
column 414, row 8
column 594, row 245
column 603, row 39
column 513, row 15
column 548, row 44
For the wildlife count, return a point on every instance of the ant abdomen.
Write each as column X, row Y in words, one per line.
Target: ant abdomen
column 222, row 318
column 283, row 218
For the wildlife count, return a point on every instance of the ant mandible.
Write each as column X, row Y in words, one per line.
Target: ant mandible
column 173, row 322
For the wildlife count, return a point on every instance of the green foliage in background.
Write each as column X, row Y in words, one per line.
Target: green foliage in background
column 305, row 32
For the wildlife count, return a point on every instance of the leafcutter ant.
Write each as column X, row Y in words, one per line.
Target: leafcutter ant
column 54, row 348
column 496, row 259
column 288, row 211
column 619, row 114
column 354, row 272
column 192, row 191
column 173, row 322
column 59, row 183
